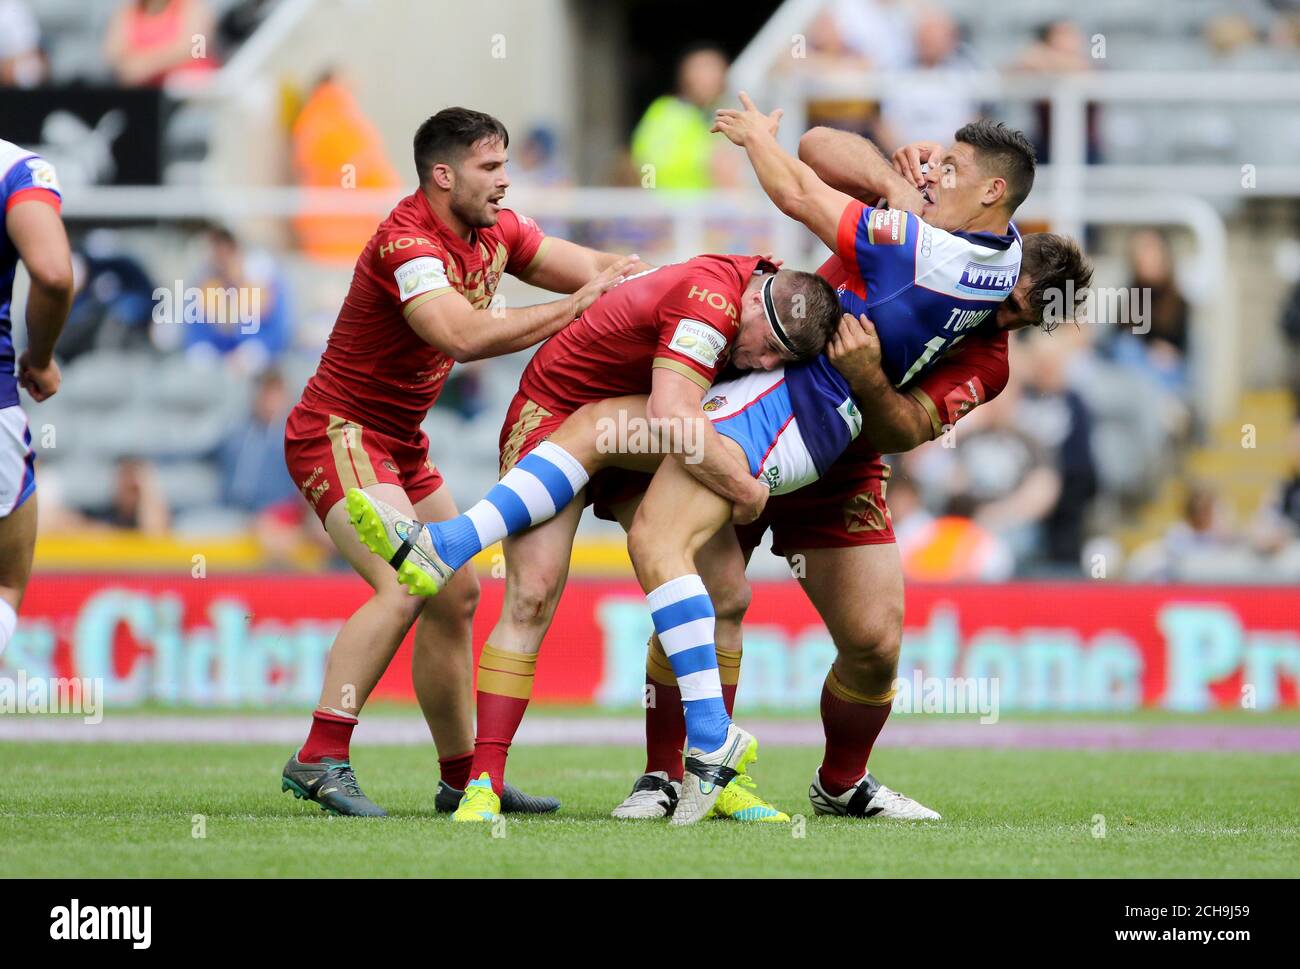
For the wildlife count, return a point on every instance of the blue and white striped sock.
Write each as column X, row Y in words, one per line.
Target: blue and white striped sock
column 543, row 482
column 683, row 617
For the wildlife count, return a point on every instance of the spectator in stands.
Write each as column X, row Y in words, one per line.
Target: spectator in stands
column 1162, row 350
column 947, row 548
column 150, row 41
column 1060, row 48
column 113, row 303
column 335, row 145
column 22, row 64
column 1203, row 543
column 251, row 458
column 671, row 144
column 941, row 102
column 1055, row 415
column 990, row 470
column 1290, row 326
column 862, row 35
column 239, row 285
column 138, row 503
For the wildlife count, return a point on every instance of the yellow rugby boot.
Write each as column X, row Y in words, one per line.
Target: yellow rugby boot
column 480, row 802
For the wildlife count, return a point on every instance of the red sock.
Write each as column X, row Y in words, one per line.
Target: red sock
column 729, row 673
column 455, row 770
column 665, row 722
column 852, row 722
column 330, row 735
column 505, row 683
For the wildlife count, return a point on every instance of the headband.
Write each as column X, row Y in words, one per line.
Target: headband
column 769, row 310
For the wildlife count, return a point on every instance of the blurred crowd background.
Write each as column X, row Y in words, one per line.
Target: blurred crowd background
column 180, row 128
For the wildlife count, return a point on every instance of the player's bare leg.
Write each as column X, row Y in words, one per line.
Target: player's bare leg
column 677, row 517
column 543, row 482
column 17, row 544
column 320, row 770
column 537, row 566
column 867, row 631
column 442, row 662
column 721, row 564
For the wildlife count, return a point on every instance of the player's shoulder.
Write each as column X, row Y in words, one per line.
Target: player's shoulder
column 20, row 168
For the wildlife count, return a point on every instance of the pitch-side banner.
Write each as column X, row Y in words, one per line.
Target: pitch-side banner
column 262, row 641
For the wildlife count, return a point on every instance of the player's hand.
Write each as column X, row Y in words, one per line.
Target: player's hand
column 773, row 259
column 751, row 506
column 909, row 159
column 41, row 382
column 738, row 126
column 854, row 351
column 603, row 281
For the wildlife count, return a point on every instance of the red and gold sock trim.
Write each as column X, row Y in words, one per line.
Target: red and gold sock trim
column 841, row 692
column 506, row 673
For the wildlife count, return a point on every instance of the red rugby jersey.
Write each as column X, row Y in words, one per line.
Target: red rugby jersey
column 376, row 370
column 683, row 317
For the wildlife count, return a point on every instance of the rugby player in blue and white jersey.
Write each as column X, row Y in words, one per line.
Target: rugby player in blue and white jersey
column 32, row 233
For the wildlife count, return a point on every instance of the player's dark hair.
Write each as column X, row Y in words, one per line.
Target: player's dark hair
column 1002, row 151
column 1058, row 271
column 444, row 138
column 809, row 310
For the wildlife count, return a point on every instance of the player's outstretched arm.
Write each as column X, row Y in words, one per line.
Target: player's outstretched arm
column 792, row 186
column 855, row 166
column 38, row 235
column 565, row 267
column 455, row 327
column 891, row 421
column 678, row 399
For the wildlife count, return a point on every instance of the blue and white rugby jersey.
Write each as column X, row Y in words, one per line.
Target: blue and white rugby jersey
column 24, row 176
column 924, row 289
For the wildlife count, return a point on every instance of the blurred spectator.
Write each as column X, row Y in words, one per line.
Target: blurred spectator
column 992, row 471
column 874, row 34
column 251, row 459
column 673, row 136
column 1290, row 325
column 537, row 162
column 1162, row 351
column 1278, row 522
column 1060, row 48
column 113, row 303
column 1055, row 415
column 336, row 146
column 938, row 105
column 240, row 286
column 138, row 503
column 948, row 548
column 150, row 41
column 1230, row 37
column 21, row 62
column 1202, row 543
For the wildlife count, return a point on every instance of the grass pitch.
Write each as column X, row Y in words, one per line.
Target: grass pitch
column 116, row 810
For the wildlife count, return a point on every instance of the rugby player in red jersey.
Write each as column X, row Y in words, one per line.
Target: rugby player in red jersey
column 419, row 303
column 665, row 334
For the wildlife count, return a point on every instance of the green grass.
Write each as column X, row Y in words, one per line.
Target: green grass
column 74, row 810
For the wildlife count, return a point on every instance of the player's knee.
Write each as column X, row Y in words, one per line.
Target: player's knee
column 531, row 601
column 455, row 605
column 870, row 651
column 731, row 600
column 395, row 600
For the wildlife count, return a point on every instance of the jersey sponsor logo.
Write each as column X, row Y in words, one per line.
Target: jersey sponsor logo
column 963, row 399
column 887, row 227
column 714, row 402
column 405, row 242
column 981, row 280
column 43, row 174
column 715, row 300
column 864, row 512
column 772, row 475
column 421, row 275
column 851, row 416
column 699, row 341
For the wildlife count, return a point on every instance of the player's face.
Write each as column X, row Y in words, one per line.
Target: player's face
column 1013, row 312
column 756, row 346
column 954, row 188
column 479, row 185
